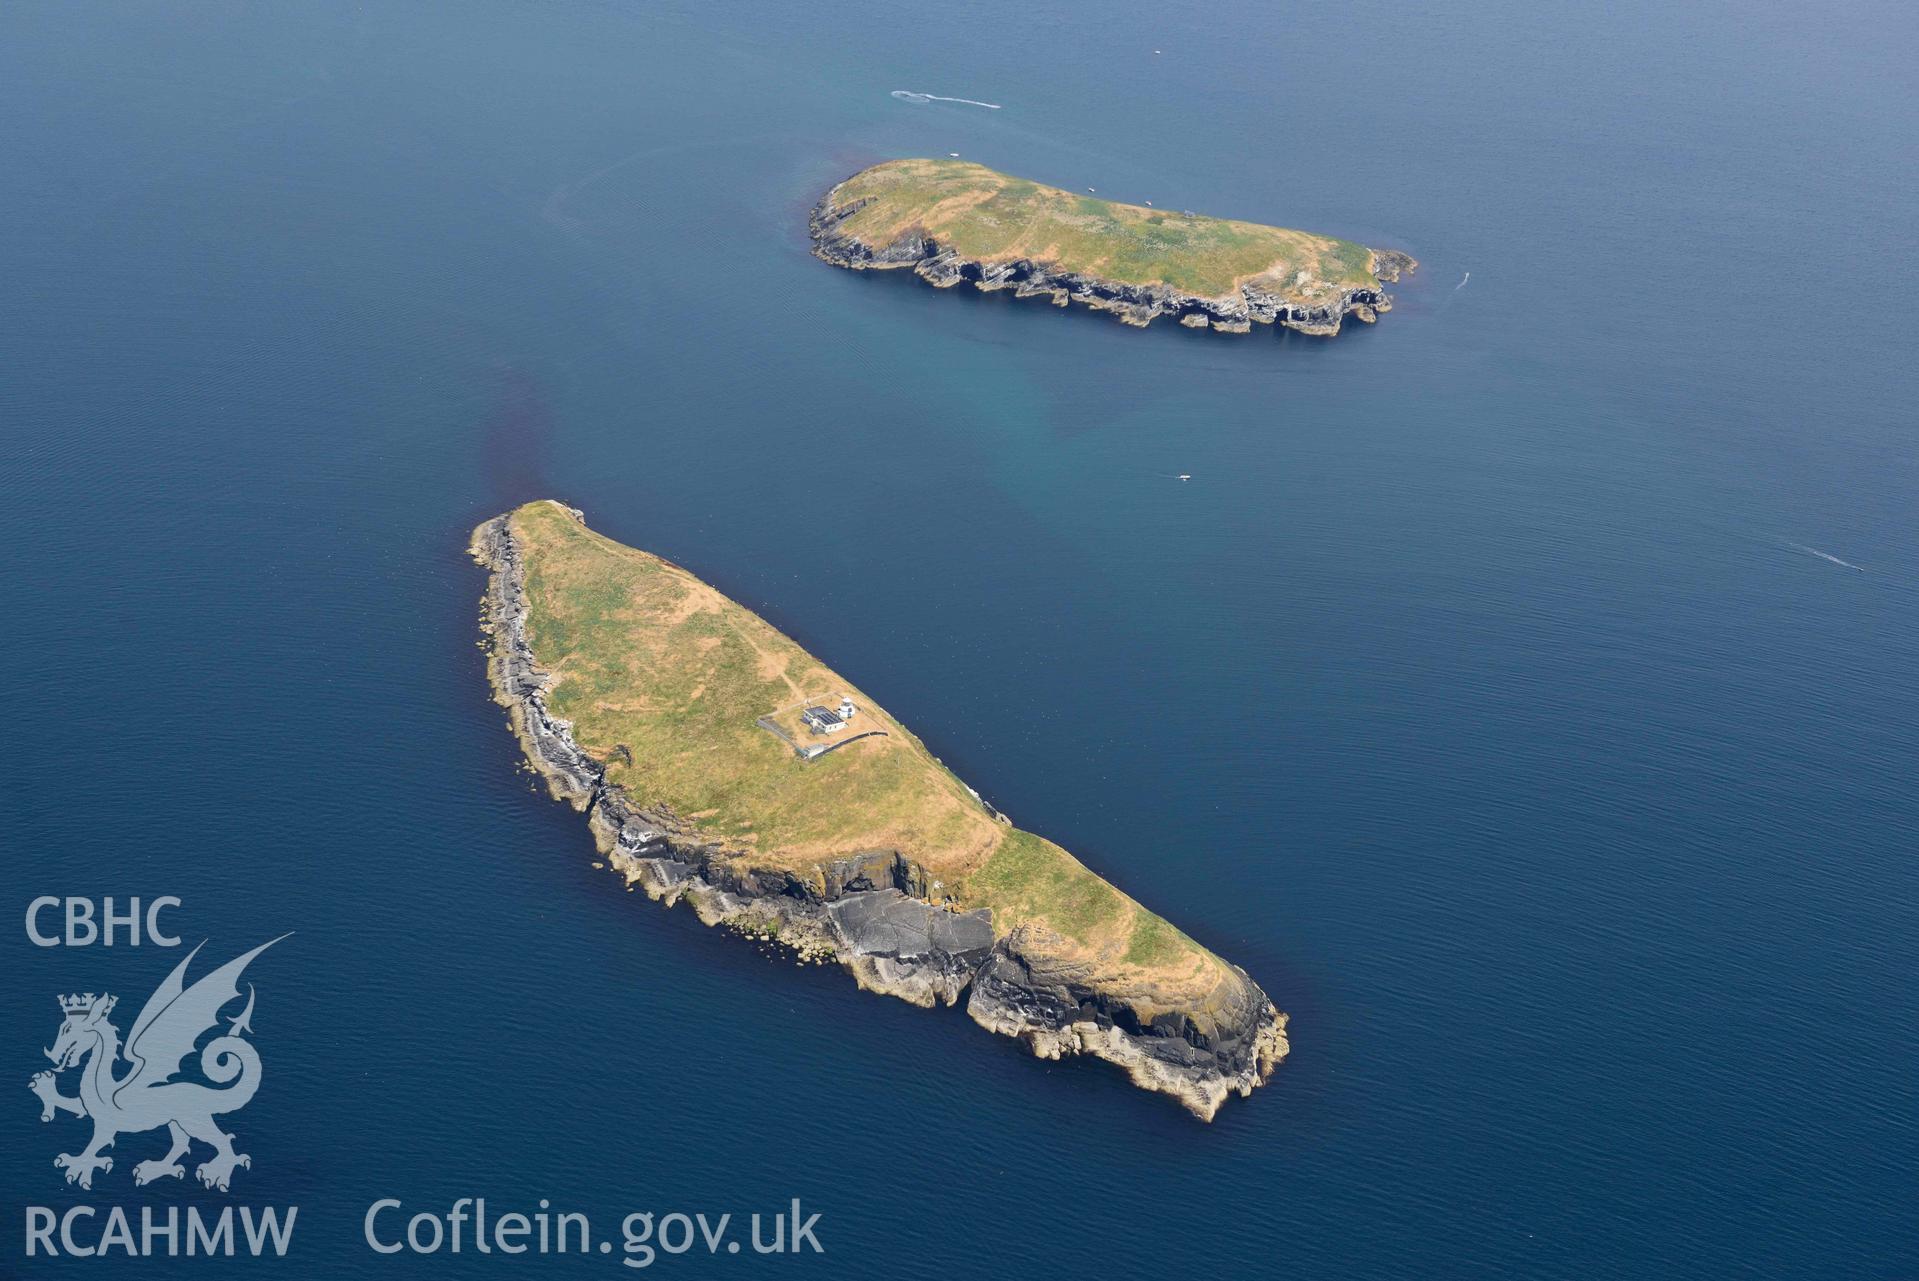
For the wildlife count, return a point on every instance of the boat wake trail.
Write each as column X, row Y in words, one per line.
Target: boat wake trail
column 1462, row 282
column 1826, row 556
column 907, row 95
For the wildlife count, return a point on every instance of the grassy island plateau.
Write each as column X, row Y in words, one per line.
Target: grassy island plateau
column 720, row 764
column 951, row 221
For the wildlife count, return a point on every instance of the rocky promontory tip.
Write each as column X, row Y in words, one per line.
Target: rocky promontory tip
column 952, row 222
column 720, row 765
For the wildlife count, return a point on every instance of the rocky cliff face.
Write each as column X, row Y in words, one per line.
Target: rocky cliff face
column 1137, row 305
column 871, row 912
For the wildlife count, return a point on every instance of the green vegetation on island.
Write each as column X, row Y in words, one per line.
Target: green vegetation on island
column 721, row 765
column 954, row 220
column 664, row 681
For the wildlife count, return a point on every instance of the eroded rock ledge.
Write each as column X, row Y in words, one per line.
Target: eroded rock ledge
column 871, row 913
column 1132, row 304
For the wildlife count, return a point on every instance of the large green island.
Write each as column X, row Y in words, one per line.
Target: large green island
column 721, row 765
column 950, row 221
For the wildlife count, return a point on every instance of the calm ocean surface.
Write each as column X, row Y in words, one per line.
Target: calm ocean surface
column 1478, row 694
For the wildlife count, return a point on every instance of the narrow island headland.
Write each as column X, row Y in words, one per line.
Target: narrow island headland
column 952, row 221
column 721, row 765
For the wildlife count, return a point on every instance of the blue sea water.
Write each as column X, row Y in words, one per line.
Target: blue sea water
column 1479, row 693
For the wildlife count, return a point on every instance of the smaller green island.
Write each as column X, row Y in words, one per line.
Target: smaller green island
column 952, row 222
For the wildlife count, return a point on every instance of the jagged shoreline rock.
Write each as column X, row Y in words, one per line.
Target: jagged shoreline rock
column 871, row 913
column 1134, row 304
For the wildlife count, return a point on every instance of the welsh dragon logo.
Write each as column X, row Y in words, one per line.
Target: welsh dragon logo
column 147, row 1096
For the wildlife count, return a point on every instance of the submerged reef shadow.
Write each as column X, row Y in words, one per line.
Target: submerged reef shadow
column 515, row 441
